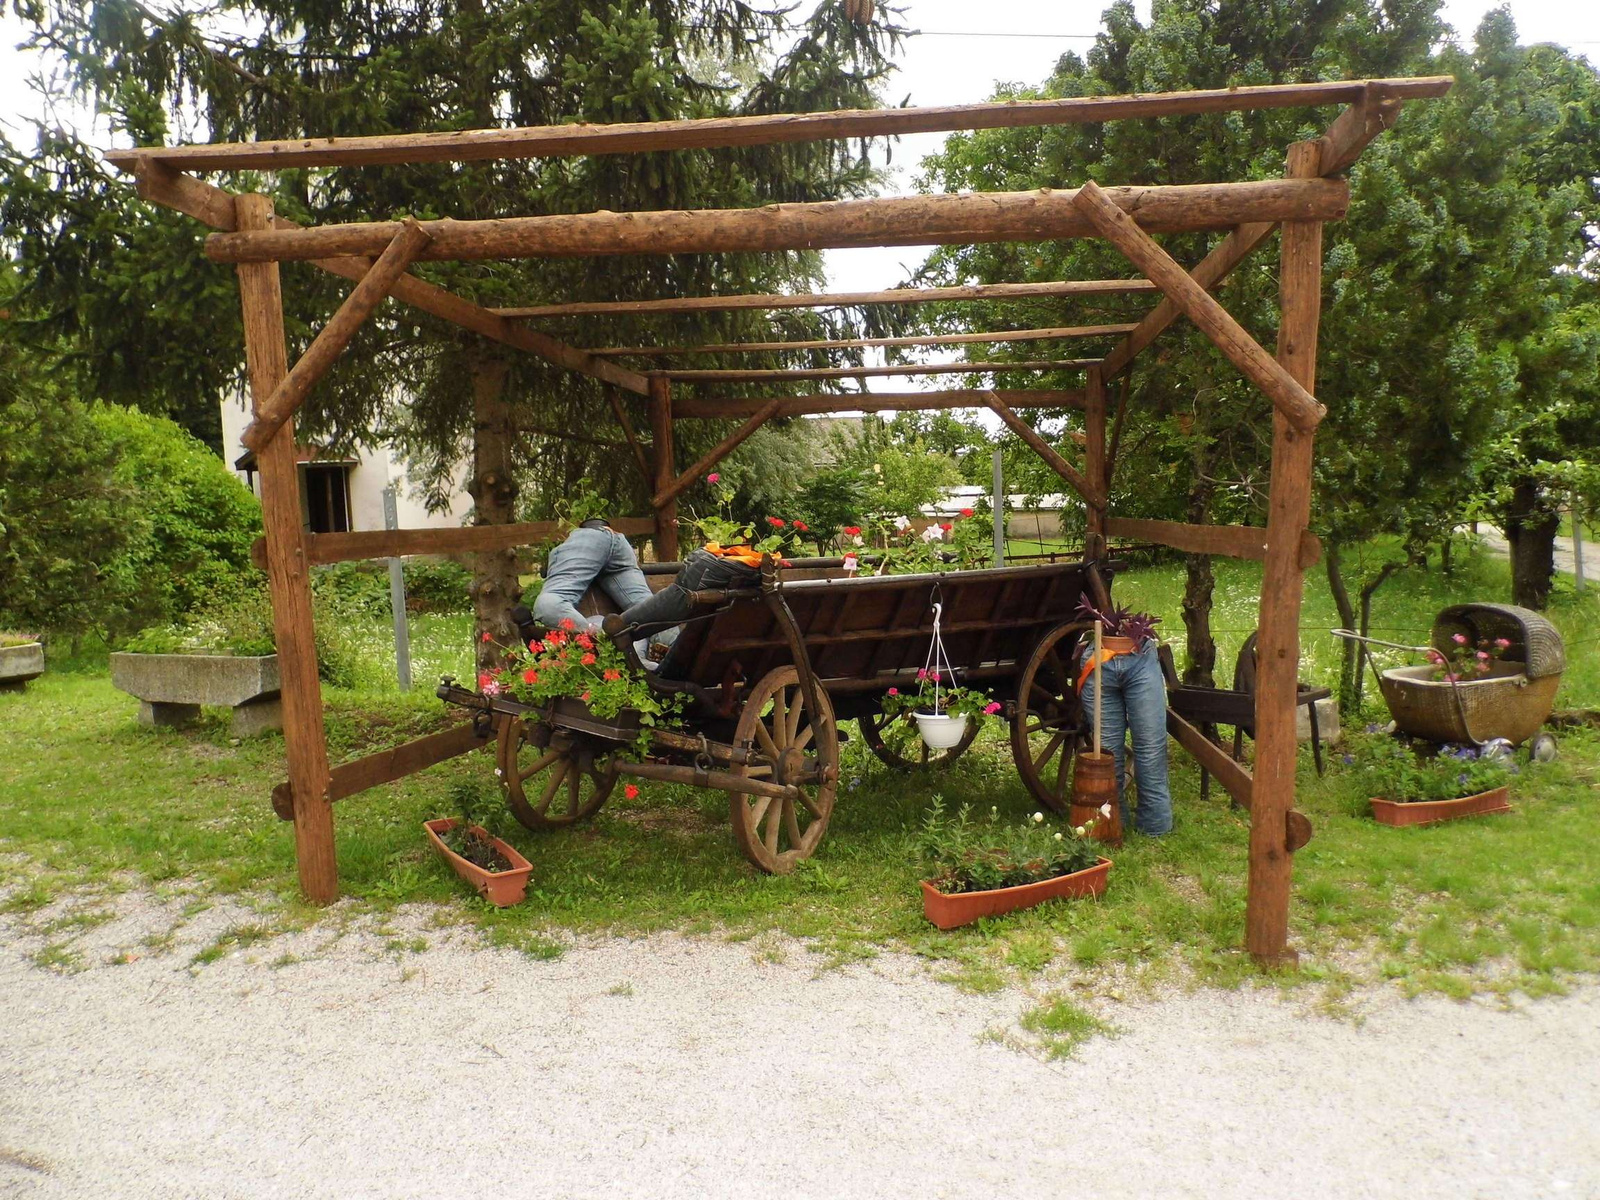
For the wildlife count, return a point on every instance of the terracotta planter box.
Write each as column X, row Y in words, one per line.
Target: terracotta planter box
column 172, row 687
column 19, row 665
column 1429, row 812
column 948, row 912
column 500, row 888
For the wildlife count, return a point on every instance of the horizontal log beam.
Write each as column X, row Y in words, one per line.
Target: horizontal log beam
column 728, row 408
column 331, row 341
column 948, row 339
column 968, row 291
column 386, row 766
column 477, row 145
column 1234, row 777
column 893, row 221
column 1298, row 405
column 717, row 453
column 782, row 374
column 1235, row 541
column 214, row 206
column 465, row 539
column 1043, row 449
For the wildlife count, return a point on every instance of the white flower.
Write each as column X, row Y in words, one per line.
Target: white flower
column 902, row 523
column 1058, row 837
column 877, row 468
column 932, row 534
column 1080, row 831
column 994, row 810
column 857, row 540
column 1105, row 809
column 1038, row 818
column 499, row 774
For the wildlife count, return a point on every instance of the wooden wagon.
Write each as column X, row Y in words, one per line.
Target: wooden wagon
column 770, row 671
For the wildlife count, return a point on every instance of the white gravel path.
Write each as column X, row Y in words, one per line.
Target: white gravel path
column 673, row 1067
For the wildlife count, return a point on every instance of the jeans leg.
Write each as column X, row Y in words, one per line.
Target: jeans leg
column 1113, row 726
column 627, row 586
column 573, row 567
column 1145, row 696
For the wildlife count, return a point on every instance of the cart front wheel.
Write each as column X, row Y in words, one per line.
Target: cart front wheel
column 802, row 749
column 902, row 749
column 1049, row 719
column 550, row 786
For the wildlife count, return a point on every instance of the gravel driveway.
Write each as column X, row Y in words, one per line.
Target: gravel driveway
column 676, row 1067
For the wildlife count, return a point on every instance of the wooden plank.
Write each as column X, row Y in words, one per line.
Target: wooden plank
column 949, row 339
column 1094, row 455
column 1282, row 584
column 885, row 221
column 1234, row 541
column 814, row 373
column 1042, row 448
column 477, row 145
column 288, row 578
column 908, row 295
column 717, row 453
column 215, row 207
column 323, row 548
column 1285, row 392
column 331, row 341
column 660, row 405
column 728, row 407
column 386, row 766
column 1234, row 777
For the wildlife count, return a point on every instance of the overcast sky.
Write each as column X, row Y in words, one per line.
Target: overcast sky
column 963, row 50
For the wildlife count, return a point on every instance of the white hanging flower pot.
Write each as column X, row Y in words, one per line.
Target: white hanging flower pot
column 941, row 731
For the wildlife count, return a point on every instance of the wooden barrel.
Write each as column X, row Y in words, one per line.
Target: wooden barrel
column 1094, row 784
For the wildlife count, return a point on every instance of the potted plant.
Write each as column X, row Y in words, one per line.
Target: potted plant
column 21, row 660
column 489, row 864
column 1422, row 785
column 981, row 868
column 942, row 711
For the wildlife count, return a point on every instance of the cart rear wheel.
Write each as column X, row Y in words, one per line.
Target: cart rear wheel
column 1049, row 719
column 552, row 786
column 777, row 832
column 907, row 751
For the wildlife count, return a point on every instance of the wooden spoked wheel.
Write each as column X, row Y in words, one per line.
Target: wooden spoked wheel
column 1049, row 718
column 908, row 751
column 552, row 786
column 777, row 832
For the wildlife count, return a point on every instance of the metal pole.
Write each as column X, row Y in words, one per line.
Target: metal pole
column 1577, row 542
column 397, row 598
column 999, row 512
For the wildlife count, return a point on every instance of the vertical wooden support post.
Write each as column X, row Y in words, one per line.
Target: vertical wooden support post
column 288, row 576
column 1094, row 459
column 1283, row 578
column 666, row 469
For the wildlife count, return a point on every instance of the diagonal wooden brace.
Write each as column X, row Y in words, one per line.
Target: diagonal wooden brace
column 324, row 351
column 1043, row 449
column 1298, row 406
column 718, row 452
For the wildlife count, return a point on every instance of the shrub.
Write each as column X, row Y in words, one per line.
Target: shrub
column 437, row 587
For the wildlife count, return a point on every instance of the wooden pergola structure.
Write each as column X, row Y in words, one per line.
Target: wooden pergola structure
column 378, row 255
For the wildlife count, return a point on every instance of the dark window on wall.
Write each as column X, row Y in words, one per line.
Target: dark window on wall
column 328, row 499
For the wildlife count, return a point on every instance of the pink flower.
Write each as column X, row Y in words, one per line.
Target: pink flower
column 894, row 691
column 1483, row 654
column 1435, row 657
column 1503, row 643
column 921, row 673
column 492, row 689
column 711, row 478
column 936, row 677
column 1451, row 678
column 584, row 640
column 992, row 707
column 1459, row 639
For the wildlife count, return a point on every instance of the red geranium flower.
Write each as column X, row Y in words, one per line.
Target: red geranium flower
column 536, row 646
column 852, row 530
column 587, row 660
column 946, row 528
column 631, row 791
column 585, row 697
column 485, row 679
column 802, row 527
column 530, row 676
column 584, row 640
column 968, row 512
column 568, row 623
column 775, row 522
column 487, row 636
column 612, row 673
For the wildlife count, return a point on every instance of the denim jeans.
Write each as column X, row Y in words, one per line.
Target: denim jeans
column 588, row 556
column 1136, row 698
column 701, row 571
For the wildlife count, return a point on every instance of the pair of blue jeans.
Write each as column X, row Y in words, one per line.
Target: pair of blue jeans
column 589, row 556
column 1136, row 700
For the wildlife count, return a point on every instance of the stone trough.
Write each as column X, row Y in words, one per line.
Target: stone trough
column 19, row 665
column 172, row 687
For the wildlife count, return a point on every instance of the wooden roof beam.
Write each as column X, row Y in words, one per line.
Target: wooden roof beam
column 1035, row 216
column 725, row 408
column 906, row 295
column 478, row 145
column 949, row 339
column 1043, row 449
column 778, row 375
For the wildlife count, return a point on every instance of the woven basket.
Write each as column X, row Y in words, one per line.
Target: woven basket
column 1504, row 704
column 1535, row 643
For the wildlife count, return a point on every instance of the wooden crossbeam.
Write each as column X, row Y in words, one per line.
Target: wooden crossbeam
column 465, row 539
column 802, row 373
column 621, row 413
column 215, row 207
column 1234, row 777
column 325, row 349
column 717, row 453
column 887, row 221
column 1235, row 541
column 476, row 145
column 1285, row 392
column 906, row 295
column 385, row 766
column 948, row 339
column 725, row 408
column 1043, row 449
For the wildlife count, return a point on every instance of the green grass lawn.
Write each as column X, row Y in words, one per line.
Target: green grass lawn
column 89, row 797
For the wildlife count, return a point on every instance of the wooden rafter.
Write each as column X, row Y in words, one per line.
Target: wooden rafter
column 1044, row 449
column 476, row 145
column 906, row 295
column 779, row 374
column 717, row 453
column 1234, row 541
column 949, row 339
column 621, row 413
column 730, row 408
column 889, row 221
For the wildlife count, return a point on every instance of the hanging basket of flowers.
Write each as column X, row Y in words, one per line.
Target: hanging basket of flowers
column 942, row 709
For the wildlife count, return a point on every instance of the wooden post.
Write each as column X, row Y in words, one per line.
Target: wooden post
column 1094, row 458
column 660, row 403
column 1282, row 582
column 288, row 577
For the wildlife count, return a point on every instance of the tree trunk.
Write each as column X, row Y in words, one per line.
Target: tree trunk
column 493, row 489
column 1350, row 667
column 1531, row 531
column 1200, row 582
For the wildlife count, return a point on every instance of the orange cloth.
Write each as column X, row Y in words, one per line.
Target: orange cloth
column 1111, row 647
column 747, row 555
